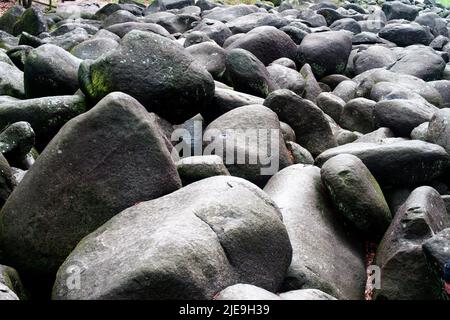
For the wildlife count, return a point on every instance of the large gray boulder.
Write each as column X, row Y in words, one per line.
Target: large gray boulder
column 267, row 44
column 11, row 81
column 45, row 115
column 398, row 162
column 439, row 129
column 356, row 195
column 98, row 164
column 154, row 70
column 404, row 271
column 250, row 142
column 50, row 71
column 311, row 127
column 209, row 235
column 326, row 52
column 324, row 257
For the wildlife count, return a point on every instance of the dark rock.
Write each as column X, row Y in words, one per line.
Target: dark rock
column 11, row 81
column 309, row 123
column 333, row 80
column 94, row 48
column 210, row 56
column 251, row 21
column 404, row 273
column 155, row 71
column 287, row 78
column 215, row 30
column 10, row 284
column 376, row 136
column 348, row 24
column 312, row 88
column 326, row 52
column 267, row 44
column 225, row 100
column 419, row 61
column 296, row 34
column 299, row 154
column 16, row 141
column 120, row 16
column 397, row 163
column 367, row 80
column 285, row 62
column 439, row 128
column 121, row 29
column 7, row 181
column 437, row 253
column 50, row 71
column 357, row 115
column 253, row 134
column 10, row 17
column 195, row 37
column 229, row 13
column 399, row 10
column 443, row 87
column 31, row 21
column 228, row 232
column 196, row 168
column 405, row 35
column 72, row 201
column 18, row 55
column 374, row 57
column 331, row 104
column 401, row 115
column 420, row 132
column 317, row 237
column 356, row 194
column 248, row 74
column 346, row 90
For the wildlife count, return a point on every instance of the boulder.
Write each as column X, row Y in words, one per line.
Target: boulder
column 50, row 71
column 81, row 180
column 311, row 127
column 376, row 56
column 225, row 100
column 45, row 115
column 356, row 195
column 31, row 21
column 331, row 104
column 287, row 78
column 399, row 10
column 404, row 271
column 357, row 115
column 11, row 81
column 11, row 287
column 10, row 17
column 396, row 163
column 419, row 61
column 439, row 129
column 402, row 115
column 249, row 141
column 211, row 234
column 209, row 55
column 248, row 74
column 155, row 71
column 251, row 21
column 405, row 35
column 324, row 256
column 195, row 168
column 16, row 142
column 94, row 48
column 267, row 44
column 121, row 29
column 215, row 30
column 326, row 52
